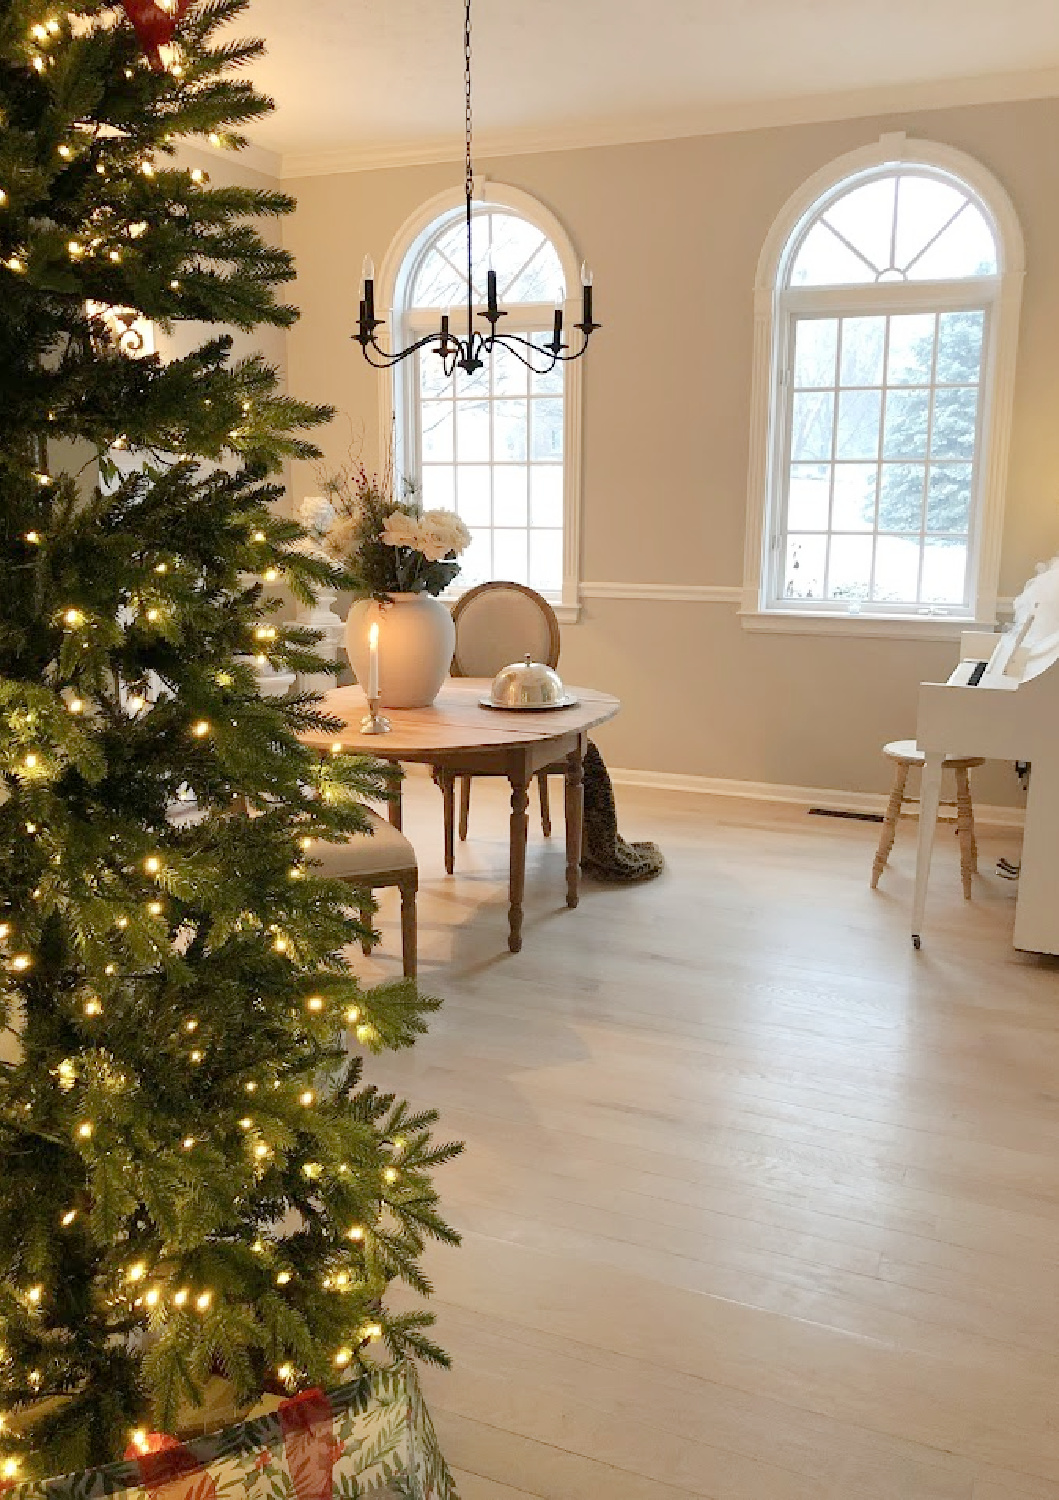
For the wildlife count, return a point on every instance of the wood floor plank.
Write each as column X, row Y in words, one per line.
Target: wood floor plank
column 758, row 1204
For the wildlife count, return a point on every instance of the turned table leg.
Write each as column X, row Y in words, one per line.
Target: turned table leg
column 519, row 824
column 575, row 818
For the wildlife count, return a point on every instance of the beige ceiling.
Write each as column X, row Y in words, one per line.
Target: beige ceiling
column 364, row 81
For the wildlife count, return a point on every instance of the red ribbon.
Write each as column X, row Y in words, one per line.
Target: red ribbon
column 154, row 26
column 308, row 1441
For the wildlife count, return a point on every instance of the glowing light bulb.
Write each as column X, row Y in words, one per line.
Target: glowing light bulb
column 122, row 923
column 93, row 1007
column 315, row 1002
column 53, row 26
column 188, row 1142
column 203, row 1301
column 191, row 1025
column 201, row 729
column 15, row 263
column 33, row 538
column 153, row 615
column 68, row 1217
column 260, row 1150
column 343, row 1357
column 66, row 153
column 34, row 1295
column 245, row 1123
column 115, row 255
column 147, row 168
column 76, row 249
column 155, row 908
column 307, row 1099
column 181, row 1297
column 152, row 1297
column 285, row 1372
column 355, row 1232
column 139, row 1439
column 137, row 1272
column 73, row 618
column 373, row 1331
column 258, row 536
column 390, row 1174
column 174, row 286
column 21, row 962
column 337, row 747
column 280, row 944
column 283, row 1278
column 76, row 705
column 152, row 864
column 39, row 33
column 84, row 1130
column 353, row 1015
column 251, row 1087
column 196, row 1057
column 9, row 1468
column 198, row 175
column 271, row 574
column 31, row 761
column 366, row 1034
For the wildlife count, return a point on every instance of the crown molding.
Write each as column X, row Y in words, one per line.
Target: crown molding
column 997, row 88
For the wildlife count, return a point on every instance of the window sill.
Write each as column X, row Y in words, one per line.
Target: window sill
column 886, row 627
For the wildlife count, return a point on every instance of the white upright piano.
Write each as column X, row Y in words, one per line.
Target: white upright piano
column 1008, row 711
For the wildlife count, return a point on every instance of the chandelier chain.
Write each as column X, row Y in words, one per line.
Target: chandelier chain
column 467, row 94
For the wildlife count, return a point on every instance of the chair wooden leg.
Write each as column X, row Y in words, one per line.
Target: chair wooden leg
column 365, row 913
column 447, row 782
column 546, row 808
column 965, row 830
column 465, row 806
column 889, row 828
column 409, row 937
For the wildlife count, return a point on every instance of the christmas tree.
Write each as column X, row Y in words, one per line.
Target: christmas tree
column 194, row 1179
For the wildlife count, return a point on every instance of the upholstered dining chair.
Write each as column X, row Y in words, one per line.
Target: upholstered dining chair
column 498, row 623
column 370, row 862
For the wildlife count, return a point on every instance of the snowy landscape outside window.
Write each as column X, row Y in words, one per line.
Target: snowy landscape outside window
column 881, row 387
column 490, row 445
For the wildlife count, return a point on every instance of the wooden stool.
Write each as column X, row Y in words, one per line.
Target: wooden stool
column 905, row 754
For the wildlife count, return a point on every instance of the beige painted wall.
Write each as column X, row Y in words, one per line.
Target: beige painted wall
column 673, row 231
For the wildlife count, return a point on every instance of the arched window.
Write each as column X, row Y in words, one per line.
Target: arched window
column 890, row 349
column 498, row 446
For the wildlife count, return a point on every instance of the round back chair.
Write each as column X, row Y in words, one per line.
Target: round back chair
column 498, row 623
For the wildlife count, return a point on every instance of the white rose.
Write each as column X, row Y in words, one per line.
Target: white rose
column 442, row 532
column 316, row 513
column 401, row 531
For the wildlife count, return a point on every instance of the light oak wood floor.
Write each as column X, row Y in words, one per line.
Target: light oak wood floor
column 757, row 1203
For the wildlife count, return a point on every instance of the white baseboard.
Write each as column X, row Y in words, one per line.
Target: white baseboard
column 801, row 796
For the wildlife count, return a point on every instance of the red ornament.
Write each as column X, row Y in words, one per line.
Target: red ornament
column 154, row 24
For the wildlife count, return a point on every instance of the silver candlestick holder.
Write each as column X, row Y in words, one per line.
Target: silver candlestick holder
column 373, row 722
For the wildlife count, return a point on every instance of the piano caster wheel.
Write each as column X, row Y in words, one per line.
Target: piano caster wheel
column 917, row 941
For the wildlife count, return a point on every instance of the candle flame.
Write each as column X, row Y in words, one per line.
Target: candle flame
column 373, row 634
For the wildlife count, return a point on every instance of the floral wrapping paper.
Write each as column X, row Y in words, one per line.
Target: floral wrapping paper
column 372, row 1437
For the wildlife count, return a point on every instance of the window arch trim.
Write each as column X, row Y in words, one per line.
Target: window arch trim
column 399, row 263
column 773, row 299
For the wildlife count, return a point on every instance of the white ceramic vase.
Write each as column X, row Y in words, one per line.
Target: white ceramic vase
column 416, row 642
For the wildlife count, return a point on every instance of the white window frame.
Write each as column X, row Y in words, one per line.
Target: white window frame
column 776, row 305
column 399, row 399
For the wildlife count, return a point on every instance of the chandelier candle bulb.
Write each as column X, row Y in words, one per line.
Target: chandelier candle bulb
column 369, row 289
column 491, row 295
column 586, row 295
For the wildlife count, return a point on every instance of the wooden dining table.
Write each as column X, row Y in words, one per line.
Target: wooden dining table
column 457, row 735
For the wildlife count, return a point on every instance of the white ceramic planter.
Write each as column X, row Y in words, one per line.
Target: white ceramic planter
column 416, row 642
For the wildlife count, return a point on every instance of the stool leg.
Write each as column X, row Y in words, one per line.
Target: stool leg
column 965, row 830
column 889, row 828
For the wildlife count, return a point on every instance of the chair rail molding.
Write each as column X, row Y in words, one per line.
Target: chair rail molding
column 685, row 593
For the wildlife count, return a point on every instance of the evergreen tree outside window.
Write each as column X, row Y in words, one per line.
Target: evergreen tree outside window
column 887, row 431
column 500, row 447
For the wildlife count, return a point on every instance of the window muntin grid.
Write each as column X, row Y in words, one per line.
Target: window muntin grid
column 880, row 474
column 904, row 226
column 491, row 448
column 491, row 445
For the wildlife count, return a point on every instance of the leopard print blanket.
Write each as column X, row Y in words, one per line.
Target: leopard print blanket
column 605, row 854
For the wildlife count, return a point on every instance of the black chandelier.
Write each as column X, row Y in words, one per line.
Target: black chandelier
column 466, row 351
